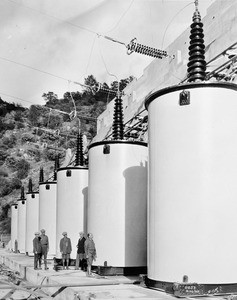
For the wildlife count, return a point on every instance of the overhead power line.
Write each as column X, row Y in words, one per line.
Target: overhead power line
column 133, row 46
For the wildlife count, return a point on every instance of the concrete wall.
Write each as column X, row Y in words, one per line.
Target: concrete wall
column 220, row 32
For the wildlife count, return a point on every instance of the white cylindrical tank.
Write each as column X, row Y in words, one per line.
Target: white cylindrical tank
column 32, row 220
column 14, row 225
column 72, row 186
column 21, row 225
column 47, row 213
column 192, row 183
column 117, row 202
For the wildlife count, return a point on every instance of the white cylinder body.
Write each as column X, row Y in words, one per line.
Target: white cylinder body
column 21, row 224
column 72, row 190
column 117, row 203
column 192, row 184
column 14, row 225
column 32, row 220
column 47, row 213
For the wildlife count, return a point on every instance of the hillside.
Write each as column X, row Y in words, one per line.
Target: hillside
column 32, row 137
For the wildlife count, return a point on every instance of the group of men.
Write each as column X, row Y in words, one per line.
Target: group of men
column 86, row 251
column 40, row 249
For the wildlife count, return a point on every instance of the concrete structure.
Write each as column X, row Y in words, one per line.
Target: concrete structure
column 14, row 224
column 32, row 220
column 47, row 213
column 71, row 284
column 220, row 28
column 21, row 225
column 117, row 202
column 72, row 191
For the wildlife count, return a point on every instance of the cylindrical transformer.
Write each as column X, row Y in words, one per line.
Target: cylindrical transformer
column 117, row 202
column 47, row 213
column 14, row 225
column 72, row 190
column 32, row 220
column 192, row 184
column 21, row 225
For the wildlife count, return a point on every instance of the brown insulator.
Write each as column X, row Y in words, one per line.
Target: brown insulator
column 118, row 127
column 56, row 167
column 30, row 186
column 197, row 63
column 79, row 160
column 41, row 175
column 22, row 193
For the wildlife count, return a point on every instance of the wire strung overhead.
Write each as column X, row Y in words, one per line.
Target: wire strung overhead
column 133, row 46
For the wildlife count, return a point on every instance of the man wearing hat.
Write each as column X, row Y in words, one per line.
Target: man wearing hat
column 65, row 249
column 45, row 247
column 81, row 257
column 37, row 250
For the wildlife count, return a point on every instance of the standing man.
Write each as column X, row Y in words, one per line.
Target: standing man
column 37, row 250
column 45, row 247
column 80, row 259
column 90, row 252
column 65, row 249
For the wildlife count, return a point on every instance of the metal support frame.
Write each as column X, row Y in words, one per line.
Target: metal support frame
column 192, row 289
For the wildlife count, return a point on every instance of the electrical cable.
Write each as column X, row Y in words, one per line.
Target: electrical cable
column 92, row 47
column 123, row 15
column 102, row 57
column 131, row 47
column 162, row 43
column 53, row 17
column 44, row 72
column 32, row 68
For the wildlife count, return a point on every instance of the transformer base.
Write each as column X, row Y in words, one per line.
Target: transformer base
column 180, row 289
column 58, row 263
column 126, row 271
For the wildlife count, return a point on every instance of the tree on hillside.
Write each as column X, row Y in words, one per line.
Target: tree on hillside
column 50, row 98
column 37, row 115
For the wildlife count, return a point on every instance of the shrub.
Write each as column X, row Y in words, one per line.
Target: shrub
column 9, row 141
column 27, row 137
column 35, row 153
column 15, row 183
column 5, row 187
column 23, row 168
column 11, row 163
column 49, row 154
column 3, row 155
column 3, row 173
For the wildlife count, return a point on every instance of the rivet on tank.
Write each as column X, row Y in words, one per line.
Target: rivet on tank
column 192, row 181
column 117, row 200
column 72, row 191
column 21, row 222
column 47, row 207
column 32, row 217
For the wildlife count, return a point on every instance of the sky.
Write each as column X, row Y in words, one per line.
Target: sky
column 51, row 45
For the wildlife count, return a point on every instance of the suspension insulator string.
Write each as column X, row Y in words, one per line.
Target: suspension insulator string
column 134, row 46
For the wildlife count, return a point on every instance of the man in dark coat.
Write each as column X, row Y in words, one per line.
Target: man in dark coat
column 65, row 249
column 37, row 250
column 80, row 259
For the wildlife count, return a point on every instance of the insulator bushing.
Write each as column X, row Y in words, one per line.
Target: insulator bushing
column 30, row 186
column 22, row 193
column 197, row 64
column 118, row 127
column 41, row 175
column 79, row 151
